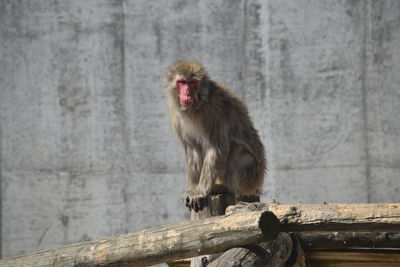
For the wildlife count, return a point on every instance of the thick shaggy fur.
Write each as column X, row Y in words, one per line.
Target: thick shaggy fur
column 223, row 150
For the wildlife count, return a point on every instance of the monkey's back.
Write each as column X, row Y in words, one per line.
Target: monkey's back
column 228, row 117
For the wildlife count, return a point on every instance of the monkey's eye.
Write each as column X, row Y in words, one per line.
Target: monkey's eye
column 181, row 82
column 193, row 83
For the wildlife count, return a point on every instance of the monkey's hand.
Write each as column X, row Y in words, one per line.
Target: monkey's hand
column 195, row 199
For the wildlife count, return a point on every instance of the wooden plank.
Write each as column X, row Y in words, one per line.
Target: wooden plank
column 368, row 258
column 333, row 217
column 342, row 240
column 353, row 264
column 354, row 256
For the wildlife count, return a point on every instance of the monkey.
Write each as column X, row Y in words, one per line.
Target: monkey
column 223, row 150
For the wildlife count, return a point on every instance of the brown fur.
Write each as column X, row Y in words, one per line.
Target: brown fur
column 221, row 145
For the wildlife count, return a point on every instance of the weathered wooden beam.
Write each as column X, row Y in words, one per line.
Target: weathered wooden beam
column 217, row 234
column 360, row 258
column 216, row 206
column 161, row 244
column 332, row 217
column 345, row 240
column 282, row 251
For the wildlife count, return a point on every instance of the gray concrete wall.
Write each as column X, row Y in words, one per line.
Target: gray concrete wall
column 86, row 146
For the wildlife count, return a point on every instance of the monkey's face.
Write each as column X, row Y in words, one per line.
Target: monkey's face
column 187, row 86
column 187, row 91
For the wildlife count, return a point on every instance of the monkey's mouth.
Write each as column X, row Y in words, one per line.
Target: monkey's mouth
column 186, row 102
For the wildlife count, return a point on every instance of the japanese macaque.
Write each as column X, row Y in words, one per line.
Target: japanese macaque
column 223, row 151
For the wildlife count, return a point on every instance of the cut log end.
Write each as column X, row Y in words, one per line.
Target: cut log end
column 269, row 225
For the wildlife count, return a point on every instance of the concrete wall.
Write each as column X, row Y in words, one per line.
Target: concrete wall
column 86, row 146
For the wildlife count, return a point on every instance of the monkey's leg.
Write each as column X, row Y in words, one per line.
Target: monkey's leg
column 244, row 177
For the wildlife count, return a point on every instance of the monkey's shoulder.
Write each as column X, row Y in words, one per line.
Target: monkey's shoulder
column 227, row 101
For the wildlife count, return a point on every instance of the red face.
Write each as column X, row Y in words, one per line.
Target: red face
column 186, row 91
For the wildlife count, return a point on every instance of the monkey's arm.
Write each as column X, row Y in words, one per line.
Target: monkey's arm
column 213, row 166
column 194, row 163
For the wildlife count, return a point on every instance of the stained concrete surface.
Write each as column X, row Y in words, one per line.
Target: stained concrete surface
column 86, row 147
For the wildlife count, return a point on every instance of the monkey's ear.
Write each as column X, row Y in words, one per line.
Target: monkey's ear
column 165, row 83
column 167, row 79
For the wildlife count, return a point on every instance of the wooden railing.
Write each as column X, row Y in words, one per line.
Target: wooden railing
column 243, row 225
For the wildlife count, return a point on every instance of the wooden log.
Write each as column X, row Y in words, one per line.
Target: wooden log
column 332, row 217
column 285, row 250
column 217, row 234
column 356, row 258
column 216, row 206
column 282, row 251
column 160, row 244
column 346, row 240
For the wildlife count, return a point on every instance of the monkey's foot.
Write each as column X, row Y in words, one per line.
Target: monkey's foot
column 195, row 201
